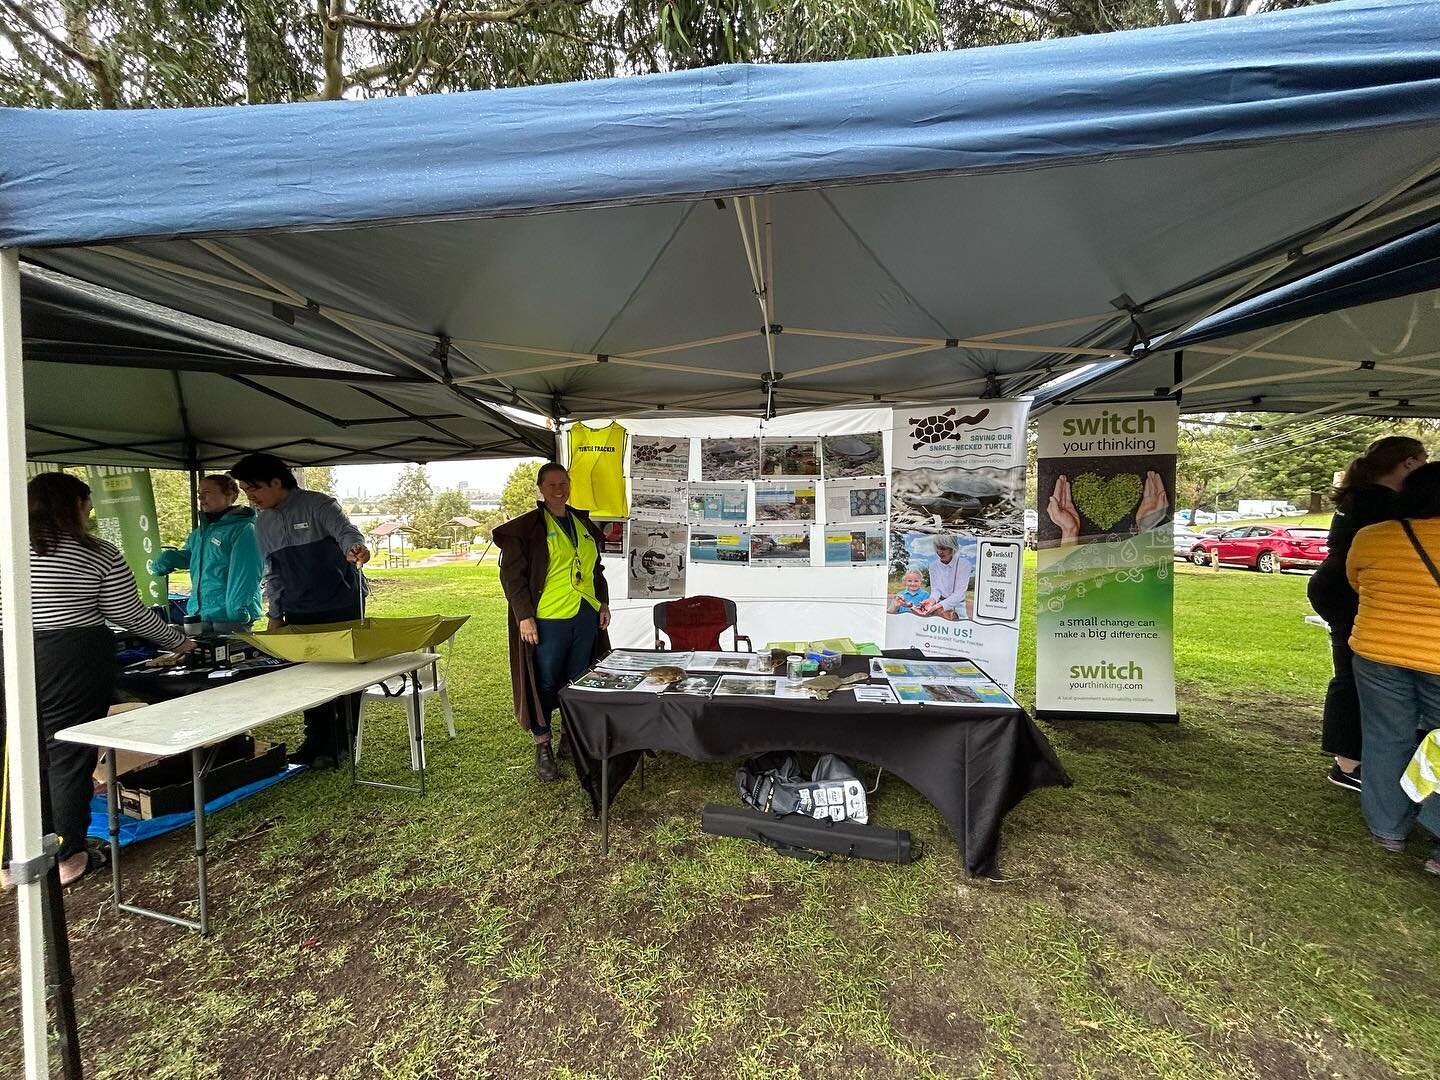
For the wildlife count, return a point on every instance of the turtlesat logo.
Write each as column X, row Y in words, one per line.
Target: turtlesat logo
column 933, row 429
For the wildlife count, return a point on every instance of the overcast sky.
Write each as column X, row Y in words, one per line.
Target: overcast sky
column 378, row 479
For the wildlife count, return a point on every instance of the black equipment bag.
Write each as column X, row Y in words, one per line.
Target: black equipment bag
column 806, row 838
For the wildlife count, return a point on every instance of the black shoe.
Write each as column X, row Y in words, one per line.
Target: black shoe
column 322, row 762
column 545, row 767
column 300, row 757
column 1350, row 781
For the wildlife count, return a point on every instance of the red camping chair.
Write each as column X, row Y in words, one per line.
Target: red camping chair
column 696, row 623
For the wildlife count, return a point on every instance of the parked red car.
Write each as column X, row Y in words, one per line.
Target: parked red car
column 1267, row 548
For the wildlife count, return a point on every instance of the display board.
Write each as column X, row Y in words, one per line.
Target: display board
column 1104, row 610
column 957, row 527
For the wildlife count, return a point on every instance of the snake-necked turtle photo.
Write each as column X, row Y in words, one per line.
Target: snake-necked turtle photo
column 962, row 495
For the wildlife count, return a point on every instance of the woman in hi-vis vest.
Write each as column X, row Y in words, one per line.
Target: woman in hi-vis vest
column 559, row 605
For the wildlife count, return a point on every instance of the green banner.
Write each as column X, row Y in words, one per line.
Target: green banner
column 125, row 514
column 1106, row 491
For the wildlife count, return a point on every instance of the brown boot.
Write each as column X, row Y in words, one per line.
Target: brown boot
column 545, row 767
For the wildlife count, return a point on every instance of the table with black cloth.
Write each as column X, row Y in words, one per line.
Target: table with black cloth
column 973, row 764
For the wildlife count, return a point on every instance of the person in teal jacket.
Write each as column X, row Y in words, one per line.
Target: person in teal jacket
column 223, row 559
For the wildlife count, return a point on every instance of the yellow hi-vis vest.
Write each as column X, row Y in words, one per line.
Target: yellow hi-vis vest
column 597, row 470
column 571, row 576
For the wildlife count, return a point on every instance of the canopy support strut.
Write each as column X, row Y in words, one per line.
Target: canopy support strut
column 22, row 732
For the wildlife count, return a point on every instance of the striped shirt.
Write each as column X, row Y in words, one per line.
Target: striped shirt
column 75, row 586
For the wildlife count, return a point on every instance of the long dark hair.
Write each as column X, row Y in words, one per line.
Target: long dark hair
column 1420, row 498
column 57, row 503
column 1382, row 456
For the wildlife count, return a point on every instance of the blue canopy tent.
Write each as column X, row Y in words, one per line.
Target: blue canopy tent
column 737, row 239
column 1359, row 337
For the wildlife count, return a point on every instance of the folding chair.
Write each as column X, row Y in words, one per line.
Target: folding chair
column 696, row 623
column 433, row 682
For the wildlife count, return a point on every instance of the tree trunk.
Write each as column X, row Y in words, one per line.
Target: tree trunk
column 1316, row 506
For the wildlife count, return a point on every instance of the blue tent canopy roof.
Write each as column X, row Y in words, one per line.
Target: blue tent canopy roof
column 942, row 224
column 82, row 177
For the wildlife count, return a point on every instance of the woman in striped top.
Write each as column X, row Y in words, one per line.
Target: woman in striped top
column 78, row 583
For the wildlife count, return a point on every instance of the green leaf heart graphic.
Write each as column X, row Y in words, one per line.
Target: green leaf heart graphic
column 1106, row 501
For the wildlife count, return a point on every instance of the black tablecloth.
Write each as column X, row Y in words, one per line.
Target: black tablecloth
column 972, row 764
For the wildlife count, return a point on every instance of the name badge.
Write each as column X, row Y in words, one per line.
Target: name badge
column 300, row 525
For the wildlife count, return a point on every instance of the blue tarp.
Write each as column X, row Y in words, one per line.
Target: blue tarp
column 134, row 830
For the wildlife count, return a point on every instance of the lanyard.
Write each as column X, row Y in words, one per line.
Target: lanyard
column 574, row 546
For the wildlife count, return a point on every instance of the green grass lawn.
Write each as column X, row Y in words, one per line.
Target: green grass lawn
column 1200, row 904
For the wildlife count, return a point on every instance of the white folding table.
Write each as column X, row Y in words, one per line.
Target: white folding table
column 196, row 721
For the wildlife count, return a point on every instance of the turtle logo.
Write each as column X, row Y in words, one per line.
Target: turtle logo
column 933, row 429
column 644, row 454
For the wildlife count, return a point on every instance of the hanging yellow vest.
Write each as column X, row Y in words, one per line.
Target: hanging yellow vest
column 597, row 470
column 571, row 575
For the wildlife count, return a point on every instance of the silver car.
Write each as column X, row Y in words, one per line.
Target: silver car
column 1185, row 539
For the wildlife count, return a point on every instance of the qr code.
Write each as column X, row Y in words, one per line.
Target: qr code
column 997, row 596
column 999, row 570
column 110, row 530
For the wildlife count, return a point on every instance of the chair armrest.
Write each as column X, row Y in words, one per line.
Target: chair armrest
column 749, row 645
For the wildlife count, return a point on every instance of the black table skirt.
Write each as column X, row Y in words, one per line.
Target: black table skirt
column 973, row 764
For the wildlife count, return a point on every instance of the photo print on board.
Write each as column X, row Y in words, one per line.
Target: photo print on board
column 780, row 545
column 729, row 459
column 853, row 455
column 785, row 500
column 790, row 457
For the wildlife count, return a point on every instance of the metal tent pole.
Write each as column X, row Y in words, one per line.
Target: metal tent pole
column 22, row 731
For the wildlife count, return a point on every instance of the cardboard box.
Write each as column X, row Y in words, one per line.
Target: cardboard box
column 166, row 787
column 125, row 760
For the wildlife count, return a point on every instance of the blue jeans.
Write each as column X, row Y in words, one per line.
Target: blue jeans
column 1395, row 704
column 563, row 653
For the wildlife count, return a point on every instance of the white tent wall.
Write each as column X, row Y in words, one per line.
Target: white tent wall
column 774, row 604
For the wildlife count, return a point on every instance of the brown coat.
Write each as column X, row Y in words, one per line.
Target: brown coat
column 524, row 562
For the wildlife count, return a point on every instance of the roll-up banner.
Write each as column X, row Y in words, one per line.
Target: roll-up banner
column 957, row 528
column 1106, row 491
column 124, row 503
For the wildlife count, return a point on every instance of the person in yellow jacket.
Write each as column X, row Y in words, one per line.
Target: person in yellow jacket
column 1395, row 568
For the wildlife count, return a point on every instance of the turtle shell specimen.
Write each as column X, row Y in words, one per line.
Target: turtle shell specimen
column 666, row 674
column 822, row 686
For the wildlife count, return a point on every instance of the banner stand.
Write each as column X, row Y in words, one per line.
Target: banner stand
column 1104, row 627
column 1051, row 716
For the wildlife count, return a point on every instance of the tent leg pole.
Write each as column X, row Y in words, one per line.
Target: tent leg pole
column 22, row 727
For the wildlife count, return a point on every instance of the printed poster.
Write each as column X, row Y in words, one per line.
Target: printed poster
column 856, row 499
column 612, row 537
column 785, row 500
column 711, row 545
column 853, row 455
column 957, row 528
column 780, row 545
column 729, row 459
column 1106, row 493
column 855, row 543
column 655, row 457
column 658, row 500
column 790, row 457
column 717, row 502
column 659, row 551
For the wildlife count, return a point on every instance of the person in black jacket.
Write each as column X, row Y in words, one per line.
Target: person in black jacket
column 1366, row 495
